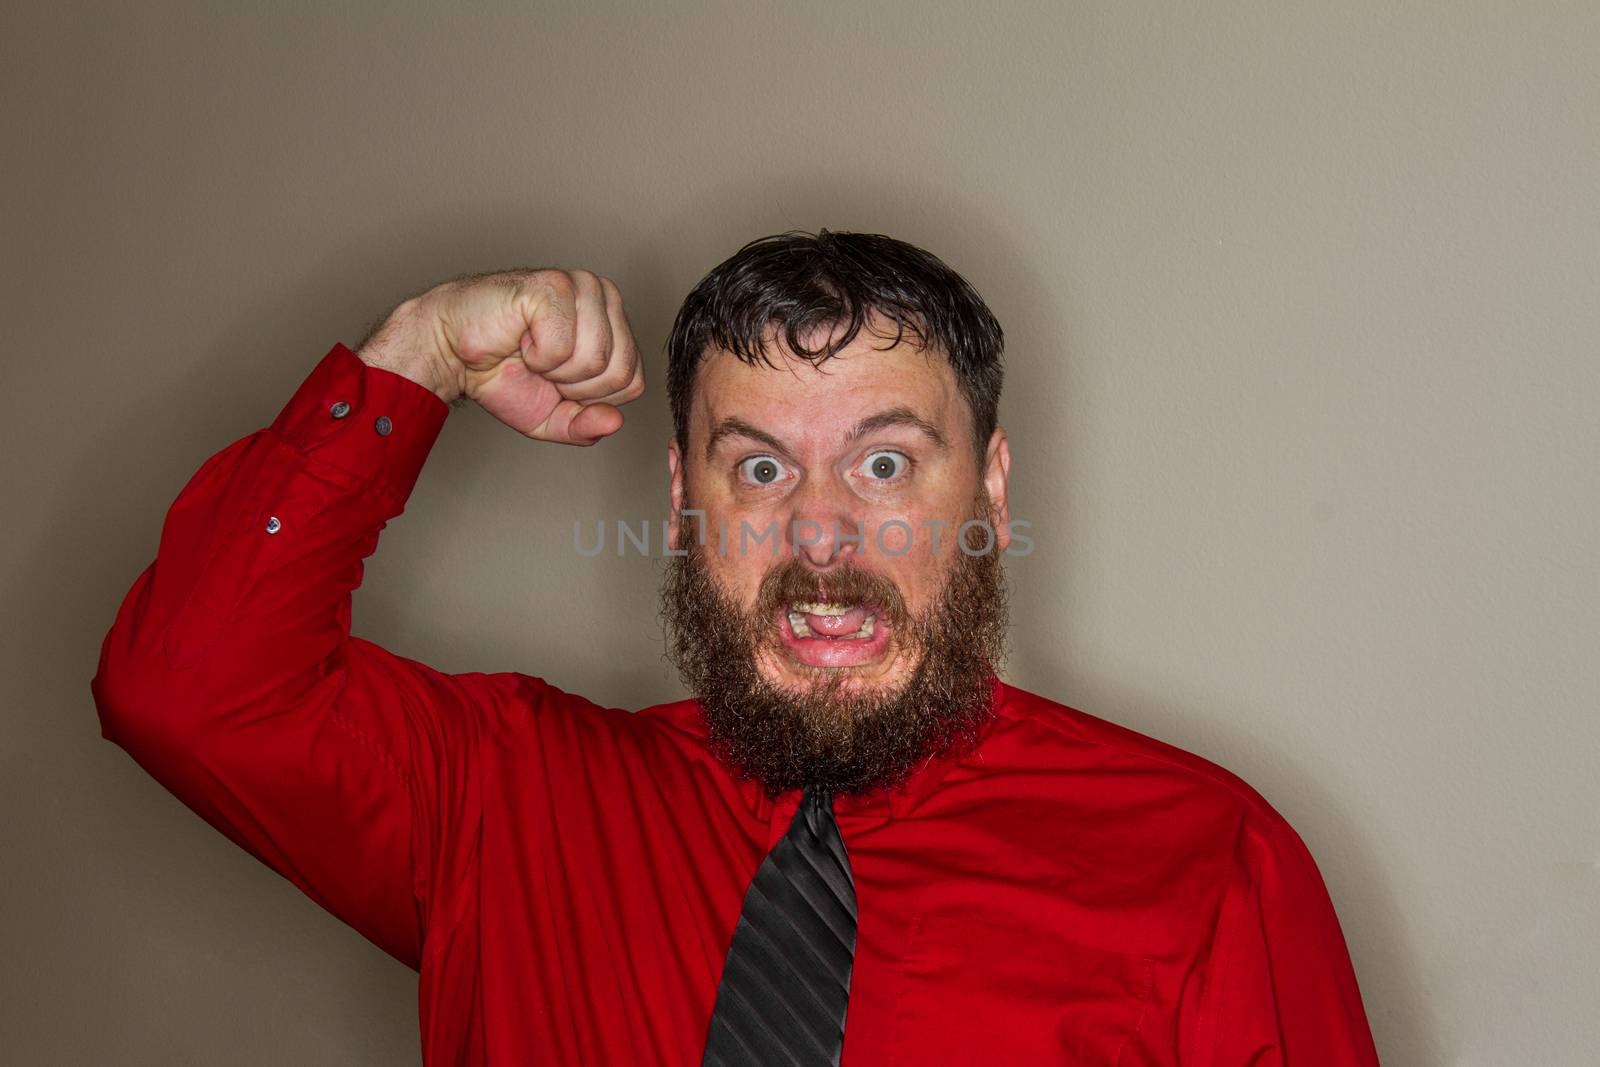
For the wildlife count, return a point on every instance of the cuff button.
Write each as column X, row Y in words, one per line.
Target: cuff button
column 339, row 410
column 273, row 525
column 383, row 425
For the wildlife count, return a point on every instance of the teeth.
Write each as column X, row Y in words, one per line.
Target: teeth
column 819, row 608
column 797, row 623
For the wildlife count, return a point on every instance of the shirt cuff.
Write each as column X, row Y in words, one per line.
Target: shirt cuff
column 371, row 423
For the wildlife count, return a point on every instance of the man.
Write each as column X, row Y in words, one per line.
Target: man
column 855, row 845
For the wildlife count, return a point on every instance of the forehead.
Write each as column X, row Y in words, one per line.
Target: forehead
column 816, row 404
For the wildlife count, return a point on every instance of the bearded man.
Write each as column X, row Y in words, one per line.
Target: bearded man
column 854, row 844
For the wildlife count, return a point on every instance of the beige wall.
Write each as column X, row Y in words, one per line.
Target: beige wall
column 1301, row 301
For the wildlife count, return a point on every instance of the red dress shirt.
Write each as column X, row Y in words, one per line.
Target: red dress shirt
column 566, row 877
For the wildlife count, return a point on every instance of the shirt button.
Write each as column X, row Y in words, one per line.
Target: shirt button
column 339, row 410
column 273, row 525
column 383, row 425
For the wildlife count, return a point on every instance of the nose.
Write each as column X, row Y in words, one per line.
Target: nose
column 823, row 529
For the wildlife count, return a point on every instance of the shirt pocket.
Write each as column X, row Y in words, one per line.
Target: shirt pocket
column 979, row 992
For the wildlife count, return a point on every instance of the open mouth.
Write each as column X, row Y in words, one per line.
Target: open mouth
column 822, row 634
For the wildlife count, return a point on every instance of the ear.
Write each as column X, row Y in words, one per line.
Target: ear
column 675, row 487
column 996, row 474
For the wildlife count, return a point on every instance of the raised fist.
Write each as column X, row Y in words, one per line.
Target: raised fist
column 547, row 352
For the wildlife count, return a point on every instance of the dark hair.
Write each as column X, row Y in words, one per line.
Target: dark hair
column 794, row 282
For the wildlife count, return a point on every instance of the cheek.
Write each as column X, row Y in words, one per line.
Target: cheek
column 913, row 543
column 894, row 539
column 919, row 583
column 738, row 569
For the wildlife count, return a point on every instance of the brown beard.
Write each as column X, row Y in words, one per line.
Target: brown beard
column 831, row 735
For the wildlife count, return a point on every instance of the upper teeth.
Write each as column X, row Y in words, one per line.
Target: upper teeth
column 819, row 608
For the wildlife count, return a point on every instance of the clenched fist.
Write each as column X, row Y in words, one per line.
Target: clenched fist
column 547, row 352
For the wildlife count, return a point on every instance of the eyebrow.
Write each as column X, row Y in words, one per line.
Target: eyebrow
column 734, row 427
column 898, row 416
column 883, row 420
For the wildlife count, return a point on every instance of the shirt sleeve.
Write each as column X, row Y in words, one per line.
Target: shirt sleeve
column 230, row 674
column 1288, row 993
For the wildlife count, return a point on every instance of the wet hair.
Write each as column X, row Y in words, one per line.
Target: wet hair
column 791, row 284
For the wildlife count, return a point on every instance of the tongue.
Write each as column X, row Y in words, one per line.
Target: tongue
column 837, row 625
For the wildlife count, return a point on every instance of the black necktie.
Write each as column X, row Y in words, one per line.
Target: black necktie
column 786, row 983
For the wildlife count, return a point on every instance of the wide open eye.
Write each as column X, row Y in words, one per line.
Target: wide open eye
column 762, row 470
column 884, row 466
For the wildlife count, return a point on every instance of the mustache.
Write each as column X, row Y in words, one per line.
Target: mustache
column 793, row 582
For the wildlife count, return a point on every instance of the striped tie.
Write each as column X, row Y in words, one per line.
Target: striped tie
column 786, row 982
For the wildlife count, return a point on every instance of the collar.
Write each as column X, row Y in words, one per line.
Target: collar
column 883, row 803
